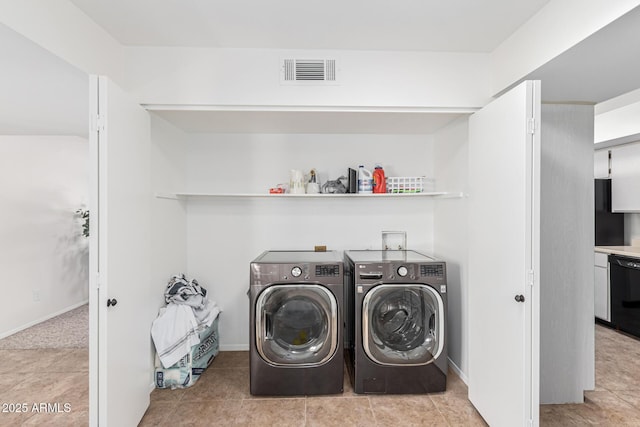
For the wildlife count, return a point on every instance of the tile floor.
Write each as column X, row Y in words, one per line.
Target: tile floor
column 221, row 397
column 53, row 377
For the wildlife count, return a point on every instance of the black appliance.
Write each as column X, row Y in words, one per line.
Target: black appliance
column 396, row 322
column 625, row 293
column 296, row 323
column 609, row 227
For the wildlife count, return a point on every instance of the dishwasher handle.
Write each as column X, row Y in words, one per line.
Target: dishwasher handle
column 625, row 262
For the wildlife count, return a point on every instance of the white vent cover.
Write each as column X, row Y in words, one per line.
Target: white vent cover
column 309, row 71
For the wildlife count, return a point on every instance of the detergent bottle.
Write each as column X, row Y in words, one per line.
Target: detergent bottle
column 365, row 180
column 379, row 181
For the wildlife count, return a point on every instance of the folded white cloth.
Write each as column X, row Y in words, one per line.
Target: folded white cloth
column 174, row 332
column 207, row 314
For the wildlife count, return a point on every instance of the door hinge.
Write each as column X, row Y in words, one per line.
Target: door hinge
column 97, row 123
column 531, row 125
column 97, row 280
column 530, row 423
column 531, row 277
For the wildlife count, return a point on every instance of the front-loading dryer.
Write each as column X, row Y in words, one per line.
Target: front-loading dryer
column 396, row 322
column 296, row 323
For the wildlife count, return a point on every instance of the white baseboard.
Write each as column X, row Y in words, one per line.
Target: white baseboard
column 42, row 319
column 459, row 372
column 234, row 347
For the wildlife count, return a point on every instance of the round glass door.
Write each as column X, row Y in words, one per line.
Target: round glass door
column 403, row 324
column 296, row 325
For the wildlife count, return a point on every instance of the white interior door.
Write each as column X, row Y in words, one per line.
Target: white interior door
column 504, row 159
column 120, row 355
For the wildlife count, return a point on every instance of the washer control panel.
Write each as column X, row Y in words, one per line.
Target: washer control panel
column 296, row 271
column 397, row 271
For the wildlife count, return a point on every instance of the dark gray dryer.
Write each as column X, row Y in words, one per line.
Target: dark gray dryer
column 296, row 323
column 396, row 322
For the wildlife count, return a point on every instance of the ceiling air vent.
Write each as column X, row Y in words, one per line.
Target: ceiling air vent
column 304, row 71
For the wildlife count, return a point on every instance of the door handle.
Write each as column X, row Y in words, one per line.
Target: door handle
column 519, row 298
column 112, row 302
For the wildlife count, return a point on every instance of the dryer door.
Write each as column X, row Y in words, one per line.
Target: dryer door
column 403, row 324
column 296, row 325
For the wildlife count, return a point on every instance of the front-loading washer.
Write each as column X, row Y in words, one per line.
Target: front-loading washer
column 296, row 323
column 396, row 322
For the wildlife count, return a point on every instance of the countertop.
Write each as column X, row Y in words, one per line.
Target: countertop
column 630, row 251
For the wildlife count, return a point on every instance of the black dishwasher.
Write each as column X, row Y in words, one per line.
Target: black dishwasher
column 625, row 293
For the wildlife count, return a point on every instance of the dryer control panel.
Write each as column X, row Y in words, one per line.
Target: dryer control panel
column 263, row 274
column 433, row 273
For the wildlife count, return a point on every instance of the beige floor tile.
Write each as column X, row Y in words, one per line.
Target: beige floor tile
column 560, row 416
column 339, row 411
column 168, row 395
column 217, row 384
column 159, row 414
column 602, row 408
column 205, row 413
column 272, row 412
column 606, row 408
column 61, row 419
column 69, row 360
column 221, row 396
column 24, row 361
column 15, row 413
column 230, row 359
column 457, row 410
column 47, row 387
column 406, row 410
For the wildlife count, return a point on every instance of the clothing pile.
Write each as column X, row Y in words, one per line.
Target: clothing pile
column 185, row 333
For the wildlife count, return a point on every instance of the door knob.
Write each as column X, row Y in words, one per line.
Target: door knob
column 112, row 302
column 520, row 298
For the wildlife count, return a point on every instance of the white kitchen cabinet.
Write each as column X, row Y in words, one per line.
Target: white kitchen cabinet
column 601, row 287
column 601, row 164
column 625, row 178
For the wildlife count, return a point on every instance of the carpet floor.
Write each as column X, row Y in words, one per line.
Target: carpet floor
column 68, row 330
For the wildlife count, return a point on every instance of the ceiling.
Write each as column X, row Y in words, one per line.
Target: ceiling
column 429, row 25
column 603, row 66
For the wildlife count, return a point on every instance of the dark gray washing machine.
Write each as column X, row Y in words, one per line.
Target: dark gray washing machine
column 296, row 323
column 396, row 322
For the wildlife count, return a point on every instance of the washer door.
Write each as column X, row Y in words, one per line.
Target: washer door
column 403, row 324
column 296, row 325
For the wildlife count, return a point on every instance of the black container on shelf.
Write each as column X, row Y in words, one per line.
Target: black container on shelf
column 352, row 181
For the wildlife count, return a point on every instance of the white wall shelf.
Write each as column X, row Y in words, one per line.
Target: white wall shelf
column 432, row 194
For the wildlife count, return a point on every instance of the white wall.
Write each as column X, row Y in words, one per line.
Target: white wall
column 168, row 217
column 225, row 235
column 450, row 233
column 43, row 255
column 205, row 76
column 566, row 258
column 631, row 227
column 618, row 123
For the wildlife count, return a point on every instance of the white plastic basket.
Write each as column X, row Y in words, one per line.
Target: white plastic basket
column 407, row 184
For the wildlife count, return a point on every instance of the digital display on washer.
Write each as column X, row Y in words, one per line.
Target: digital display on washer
column 432, row 270
column 327, row 270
